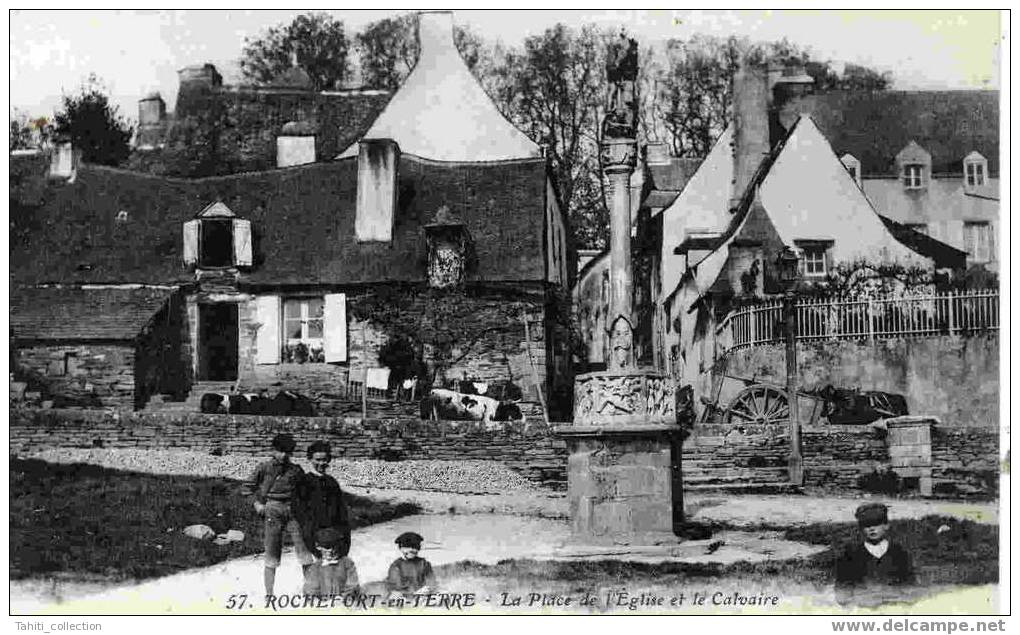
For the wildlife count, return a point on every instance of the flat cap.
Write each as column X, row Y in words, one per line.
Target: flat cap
column 409, row 539
column 872, row 514
column 283, row 443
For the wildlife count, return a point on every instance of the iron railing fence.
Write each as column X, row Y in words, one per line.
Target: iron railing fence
column 819, row 318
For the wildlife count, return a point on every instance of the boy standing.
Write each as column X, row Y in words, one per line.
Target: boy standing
column 409, row 575
column 875, row 562
column 323, row 500
column 276, row 485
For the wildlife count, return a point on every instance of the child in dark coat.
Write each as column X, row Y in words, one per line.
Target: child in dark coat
column 334, row 574
column 410, row 575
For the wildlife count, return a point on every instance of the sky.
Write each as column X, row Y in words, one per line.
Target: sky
column 135, row 52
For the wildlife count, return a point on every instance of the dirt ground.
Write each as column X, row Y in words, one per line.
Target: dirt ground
column 489, row 528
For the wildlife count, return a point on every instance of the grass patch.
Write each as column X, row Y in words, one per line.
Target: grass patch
column 965, row 553
column 90, row 522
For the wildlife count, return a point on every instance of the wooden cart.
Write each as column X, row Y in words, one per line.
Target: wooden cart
column 748, row 400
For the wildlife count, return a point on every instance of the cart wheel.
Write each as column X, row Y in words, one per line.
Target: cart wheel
column 759, row 404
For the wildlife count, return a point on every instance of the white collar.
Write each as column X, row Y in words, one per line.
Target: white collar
column 877, row 550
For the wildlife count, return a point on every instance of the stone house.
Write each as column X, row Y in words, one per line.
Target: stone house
column 431, row 231
column 928, row 160
column 766, row 186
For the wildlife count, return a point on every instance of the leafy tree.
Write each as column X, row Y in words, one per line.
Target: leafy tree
column 554, row 90
column 316, row 41
column 686, row 90
column 93, row 125
column 21, row 134
column 388, row 49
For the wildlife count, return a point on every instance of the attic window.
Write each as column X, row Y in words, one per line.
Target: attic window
column 975, row 170
column 913, row 176
column 216, row 241
column 217, row 238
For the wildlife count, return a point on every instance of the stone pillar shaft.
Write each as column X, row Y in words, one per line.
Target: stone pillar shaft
column 620, row 268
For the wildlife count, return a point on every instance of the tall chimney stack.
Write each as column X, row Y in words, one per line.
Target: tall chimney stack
column 750, row 126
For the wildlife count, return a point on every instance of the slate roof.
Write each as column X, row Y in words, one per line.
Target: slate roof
column 83, row 314
column 875, row 126
column 945, row 256
column 302, row 220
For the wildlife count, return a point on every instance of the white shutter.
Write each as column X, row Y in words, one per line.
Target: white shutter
column 242, row 242
column 191, row 242
column 267, row 340
column 335, row 327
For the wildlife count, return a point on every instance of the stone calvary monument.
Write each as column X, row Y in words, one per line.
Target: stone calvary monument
column 623, row 471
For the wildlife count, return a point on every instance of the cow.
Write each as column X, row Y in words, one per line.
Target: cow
column 442, row 403
column 215, row 403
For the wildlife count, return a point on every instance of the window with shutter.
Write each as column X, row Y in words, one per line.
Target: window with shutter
column 191, row 242
column 242, row 242
column 302, row 330
column 335, row 327
column 267, row 338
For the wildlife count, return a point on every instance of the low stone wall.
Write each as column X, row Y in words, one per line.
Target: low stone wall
column 534, row 453
column 964, row 460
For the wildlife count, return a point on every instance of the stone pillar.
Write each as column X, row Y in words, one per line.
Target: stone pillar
column 623, row 469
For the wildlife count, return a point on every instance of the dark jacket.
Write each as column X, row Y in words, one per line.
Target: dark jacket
column 324, row 507
column 407, row 576
column 855, row 567
column 274, row 480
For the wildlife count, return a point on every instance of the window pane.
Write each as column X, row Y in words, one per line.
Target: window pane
column 292, row 309
column 316, row 308
column 292, row 329
column 315, row 328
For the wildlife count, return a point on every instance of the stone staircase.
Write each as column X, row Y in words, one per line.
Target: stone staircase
column 742, row 463
column 193, row 403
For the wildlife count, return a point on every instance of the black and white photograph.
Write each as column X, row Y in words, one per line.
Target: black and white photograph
column 509, row 312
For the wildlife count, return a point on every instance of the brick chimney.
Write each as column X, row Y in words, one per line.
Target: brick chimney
column 750, row 126
column 378, row 164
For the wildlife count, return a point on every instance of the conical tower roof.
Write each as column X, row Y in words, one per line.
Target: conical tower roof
column 441, row 112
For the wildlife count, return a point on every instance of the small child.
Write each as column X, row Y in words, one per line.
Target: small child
column 410, row 575
column 333, row 574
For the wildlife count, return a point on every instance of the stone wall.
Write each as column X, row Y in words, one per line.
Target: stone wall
column 97, row 374
column 964, row 459
column 499, row 353
column 954, row 378
column 534, row 453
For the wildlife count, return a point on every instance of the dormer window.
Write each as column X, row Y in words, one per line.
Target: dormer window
column 975, row 170
column 913, row 176
column 216, row 238
column 914, row 164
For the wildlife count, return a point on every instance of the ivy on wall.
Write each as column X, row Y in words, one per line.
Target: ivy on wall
column 429, row 330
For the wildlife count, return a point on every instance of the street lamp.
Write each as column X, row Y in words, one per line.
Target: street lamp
column 789, row 272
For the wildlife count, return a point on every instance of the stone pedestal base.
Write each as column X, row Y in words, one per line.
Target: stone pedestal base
column 623, row 469
column 620, row 486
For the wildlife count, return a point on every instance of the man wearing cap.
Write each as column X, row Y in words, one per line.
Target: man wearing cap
column 875, row 560
column 276, row 486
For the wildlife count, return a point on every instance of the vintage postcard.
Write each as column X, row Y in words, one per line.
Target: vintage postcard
column 508, row 313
